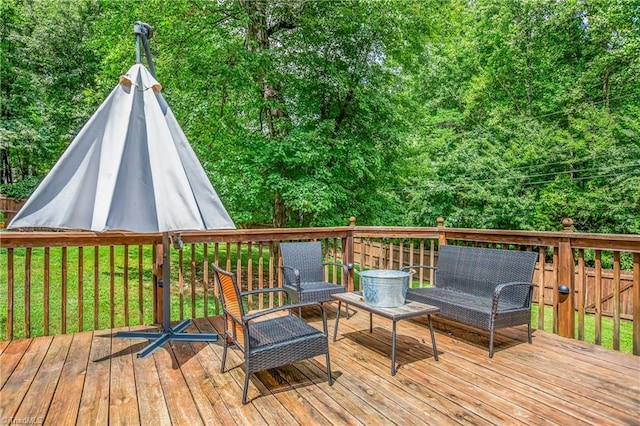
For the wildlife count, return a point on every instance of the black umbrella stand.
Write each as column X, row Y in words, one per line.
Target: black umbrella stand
column 168, row 333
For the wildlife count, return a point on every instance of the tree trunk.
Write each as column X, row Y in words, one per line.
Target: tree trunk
column 257, row 40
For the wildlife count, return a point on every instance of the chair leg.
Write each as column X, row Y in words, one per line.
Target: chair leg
column 529, row 333
column 224, row 352
column 491, row 343
column 246, row 386
column 329, row 369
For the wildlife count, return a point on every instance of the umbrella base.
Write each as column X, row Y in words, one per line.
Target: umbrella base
column 160, row 338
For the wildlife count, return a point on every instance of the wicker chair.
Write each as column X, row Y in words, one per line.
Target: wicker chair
column 303, row 273
column 267, row 341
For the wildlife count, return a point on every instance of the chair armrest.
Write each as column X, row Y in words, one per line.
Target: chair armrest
column 296, row 273
column 255, row 315
column 345, row 268
column 500, row 288
column 410, row 267
column 266, row 290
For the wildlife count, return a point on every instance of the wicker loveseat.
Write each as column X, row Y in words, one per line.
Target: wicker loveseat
column 481, row 287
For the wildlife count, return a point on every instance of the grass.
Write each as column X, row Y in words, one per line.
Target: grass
column 606, row 335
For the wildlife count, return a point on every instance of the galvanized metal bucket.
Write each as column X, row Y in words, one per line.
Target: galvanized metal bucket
column 384, row 288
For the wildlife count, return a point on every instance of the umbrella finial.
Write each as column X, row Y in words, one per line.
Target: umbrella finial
column 143, row 33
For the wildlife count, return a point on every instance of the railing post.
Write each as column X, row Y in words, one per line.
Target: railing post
column 349, row 255
column 442, row 233
column 566, row 284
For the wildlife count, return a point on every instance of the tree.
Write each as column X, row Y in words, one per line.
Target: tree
column 46, row 65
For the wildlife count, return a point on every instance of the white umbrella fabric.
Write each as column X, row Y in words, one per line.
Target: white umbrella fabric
column 130, row 168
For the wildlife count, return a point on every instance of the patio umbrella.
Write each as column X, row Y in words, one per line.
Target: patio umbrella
column 130, row 168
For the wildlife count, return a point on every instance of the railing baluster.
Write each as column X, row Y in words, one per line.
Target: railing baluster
column 193, row 280
column 636, row 304
column 616, row 300
column 45, row 279
column 96, row 285
column 27, row 293
column 271, row 283
column 112, row 286
column 555, row 290
column 411, row 253
column 140, row 285
column 80, row 289
column 205, row 278
column 598, row 298
column 260, row 276
column 250, row 272
column 582, row 293
column 63, row 325
column 542, row 265
column 180, row 281
column 239, row 265
column 125, row 280
column 10, row 294
column 216, row 259
column 334, row 258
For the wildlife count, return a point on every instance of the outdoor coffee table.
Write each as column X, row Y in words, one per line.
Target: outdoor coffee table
column 409, row 310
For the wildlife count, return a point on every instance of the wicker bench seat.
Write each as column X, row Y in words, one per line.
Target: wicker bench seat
column 481, row 287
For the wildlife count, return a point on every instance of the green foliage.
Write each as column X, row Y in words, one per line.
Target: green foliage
column 20, row 190
column 493, row 113
column 531, row 116
column 46, row 65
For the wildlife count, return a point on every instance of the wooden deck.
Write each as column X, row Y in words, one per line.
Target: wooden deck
column 92, row 378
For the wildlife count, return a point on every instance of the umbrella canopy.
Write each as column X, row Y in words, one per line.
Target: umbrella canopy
column 130, row 168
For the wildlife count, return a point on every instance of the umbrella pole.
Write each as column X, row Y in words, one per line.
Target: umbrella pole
column 160, row 338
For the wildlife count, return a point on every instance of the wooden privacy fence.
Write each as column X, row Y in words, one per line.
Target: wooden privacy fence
column 73, row 281
column 10, row 207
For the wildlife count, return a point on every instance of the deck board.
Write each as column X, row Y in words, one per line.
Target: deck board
column 95, row 393
column 37, row 400
column 95, row 378
column 66, row 400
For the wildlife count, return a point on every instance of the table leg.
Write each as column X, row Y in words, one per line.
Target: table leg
column 335, row 328
column 370, row 322
column 393, row 349
column 433, row 339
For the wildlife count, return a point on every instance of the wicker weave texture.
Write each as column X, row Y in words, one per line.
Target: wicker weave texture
column 306, row 258
column 282, row 341
column 485, row 288
column 478, row 271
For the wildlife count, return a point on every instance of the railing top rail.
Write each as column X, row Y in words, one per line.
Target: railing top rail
column 623, row 242
column 80, row 238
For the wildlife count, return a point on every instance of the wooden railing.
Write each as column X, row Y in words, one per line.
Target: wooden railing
column 63, row 282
